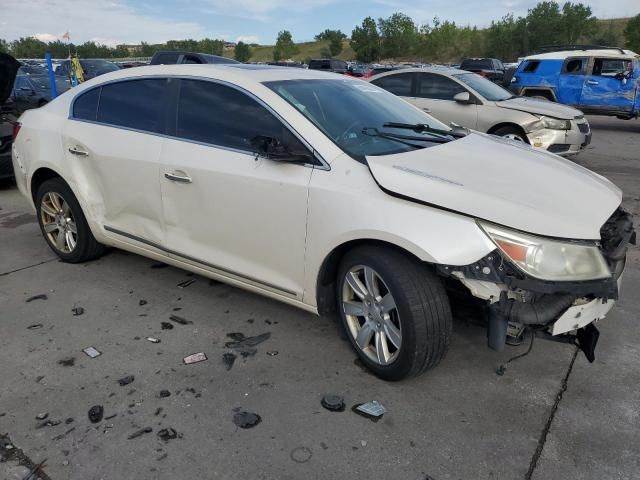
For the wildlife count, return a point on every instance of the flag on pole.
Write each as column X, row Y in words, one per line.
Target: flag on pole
column 66, row 36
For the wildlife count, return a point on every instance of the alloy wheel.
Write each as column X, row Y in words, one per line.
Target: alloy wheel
column 371, row 314
column 58, row 222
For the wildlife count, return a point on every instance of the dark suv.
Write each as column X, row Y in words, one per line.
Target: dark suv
column 173, row 58
column 8, row 69
column 328, row 65
column 490, row 68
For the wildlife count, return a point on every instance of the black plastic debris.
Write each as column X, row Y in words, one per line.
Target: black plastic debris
column 42, row 416
column 142, row 302
column 164, row 393
column 272, row 353
column 176, row 309
column 166, row 326
column 77, row 311
column 228, row 359
column 167, row 434
column 41, row 296
column 67, row 362
column 371, row 410
column 48, row 423
column 96, row 413
column 187, row 283
column 250, row 320
column 246, row 419
column 159, row 265
column 111, row 416
column 158, row 411
column 126, row 380
column 245, row 346
column 179, row 320
column 140, row 432
column 68, row 421
column 333, row 403
column 35, row 326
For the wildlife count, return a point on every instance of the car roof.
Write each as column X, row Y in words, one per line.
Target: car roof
column 563, row 54
column 443, row 70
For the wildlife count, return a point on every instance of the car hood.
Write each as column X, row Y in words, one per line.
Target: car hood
column 540, row 107
column 8, row 70
column 504, row 182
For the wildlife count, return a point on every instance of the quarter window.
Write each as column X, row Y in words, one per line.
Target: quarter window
column 85, row 106
column 219, row 115
column 574, row 66
column 438, row 87
column 399, row 84
column 138, row 104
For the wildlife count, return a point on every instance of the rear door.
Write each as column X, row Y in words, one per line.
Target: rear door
column 227, row 209
column 112, row 142
column 571, row 81
column 609, row 85
column 434, row 94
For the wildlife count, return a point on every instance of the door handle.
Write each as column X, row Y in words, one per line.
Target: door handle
column 78, row 151
column 592, row 82
column 177, row 178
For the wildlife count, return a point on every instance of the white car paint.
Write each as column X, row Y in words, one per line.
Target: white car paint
column 268, row 226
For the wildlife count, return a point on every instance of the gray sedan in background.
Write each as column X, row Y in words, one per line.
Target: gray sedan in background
column 471, row 101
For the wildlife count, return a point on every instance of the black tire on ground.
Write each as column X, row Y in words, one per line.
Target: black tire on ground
column 511, row 132
column 86, row 248
column 423, row 309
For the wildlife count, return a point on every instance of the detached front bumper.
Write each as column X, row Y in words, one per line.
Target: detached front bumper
column 562, row 142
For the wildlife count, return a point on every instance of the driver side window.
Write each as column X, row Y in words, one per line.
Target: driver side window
column 219, row 115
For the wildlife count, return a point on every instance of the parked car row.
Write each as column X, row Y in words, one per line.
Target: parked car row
column 384, row 207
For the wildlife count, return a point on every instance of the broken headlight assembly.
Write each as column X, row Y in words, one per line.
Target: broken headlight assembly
column 547, row 259
column 555, row 123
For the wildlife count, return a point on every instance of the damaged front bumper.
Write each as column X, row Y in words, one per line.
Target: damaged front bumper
column 562, row 142
column 516, row 300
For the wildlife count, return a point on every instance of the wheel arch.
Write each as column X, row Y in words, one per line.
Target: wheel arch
column 326, row 278
column 40, row 176
column 539, row 91
column 498, row 126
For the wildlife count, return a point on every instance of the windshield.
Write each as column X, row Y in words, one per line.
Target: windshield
column 348, row 110
column 486, row 88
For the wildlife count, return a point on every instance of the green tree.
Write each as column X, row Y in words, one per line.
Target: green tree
column 147, row 50
column 505, row 39
column 242, row 52
column 577, row 22
column 4, row 46
column 335, row 38
column 632, row 34
column 285, row 48
column 544, row 25
column 365, row 41
column 208, row 45
column 28, row 47
column 399, row 35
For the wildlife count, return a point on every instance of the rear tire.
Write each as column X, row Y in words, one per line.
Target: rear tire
column 398, row 317
column 63, row 223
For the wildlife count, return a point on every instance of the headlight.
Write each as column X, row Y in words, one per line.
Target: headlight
column 555, row 123
column 547, row 259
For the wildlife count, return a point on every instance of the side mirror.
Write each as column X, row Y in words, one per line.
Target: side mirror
column 462, row 97
column 273, row 149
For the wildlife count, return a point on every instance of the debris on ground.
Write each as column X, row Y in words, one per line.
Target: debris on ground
column 96, row 413
column 186, row 283
column 111, row 416
column 246, row 419
column 67, row 362
column 48, row 423
column 228, row 359
column 142, row 302
column 301, row 454
column 371, row 410
column 245, row 346
column 35, row 472
column 126, row 380
column 92, row 352
column 272, row 353
column 250, row 320
column 153, row 340
column 68, row 421
column 140, row 432
column 194, row 358
column 363, row 443
column 35, row 326
column 167, row 434
column 333, row 403
column 162, row 457
column 42, row 416
column 41, row 296
column 77, row 311
column 164, row 393
column 166, row 326
column 176, row 309
column 158, row 411
column 180, row 320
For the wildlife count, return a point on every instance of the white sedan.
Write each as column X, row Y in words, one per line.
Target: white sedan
column 326, row 193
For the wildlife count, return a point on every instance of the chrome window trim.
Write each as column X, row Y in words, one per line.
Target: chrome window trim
column 324, row 165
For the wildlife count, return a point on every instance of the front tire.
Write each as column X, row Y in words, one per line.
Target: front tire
column 395, row 311
column 63, row 223
column 511, row 133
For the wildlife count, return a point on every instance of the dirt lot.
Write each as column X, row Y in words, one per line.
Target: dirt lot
column 552, row 415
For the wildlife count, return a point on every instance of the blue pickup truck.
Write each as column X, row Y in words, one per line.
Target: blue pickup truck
column 596, row 80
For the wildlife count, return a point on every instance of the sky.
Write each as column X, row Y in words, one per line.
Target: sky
column 114, row 22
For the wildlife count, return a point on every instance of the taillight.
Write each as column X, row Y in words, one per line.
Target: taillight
column 16, row 129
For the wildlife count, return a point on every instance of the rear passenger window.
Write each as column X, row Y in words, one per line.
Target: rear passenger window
column 85, row 107
column 399, row 84
column 574, row 66
column 438, row 87
column 219, row 115
column 531, row 66
column 138, row 104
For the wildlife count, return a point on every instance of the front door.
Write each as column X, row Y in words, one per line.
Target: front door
column 610, row 86
column 227, row 209
column 434, row 94
column 571, row 80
